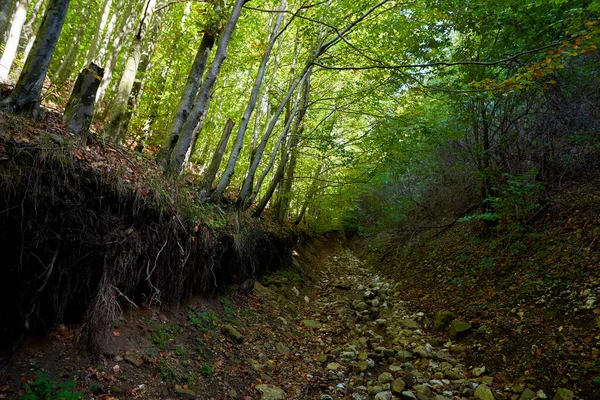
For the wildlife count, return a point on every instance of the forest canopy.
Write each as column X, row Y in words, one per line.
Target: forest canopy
column 333, row 114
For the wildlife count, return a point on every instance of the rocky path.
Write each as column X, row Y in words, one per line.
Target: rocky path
column 355, row 340
column 344, row 335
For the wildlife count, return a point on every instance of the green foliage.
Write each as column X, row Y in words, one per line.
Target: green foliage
column 203, row 321
column 166, row 371
column 518, row 198
column 378, row 139
column 228, row 306
column 43, row 388
column 163, row 334
column 514, row 203
column 207, row 369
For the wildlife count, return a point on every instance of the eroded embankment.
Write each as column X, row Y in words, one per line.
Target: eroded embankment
column 84, row 231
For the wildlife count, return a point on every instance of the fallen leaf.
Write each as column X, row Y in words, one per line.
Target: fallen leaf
column 116, row 333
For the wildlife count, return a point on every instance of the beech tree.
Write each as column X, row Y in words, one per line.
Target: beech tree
column 307, row 85
column 185, row 139
column 117, row 124
column 239, row 138
column 10, row 48
column 5, row 9
column 26, row 96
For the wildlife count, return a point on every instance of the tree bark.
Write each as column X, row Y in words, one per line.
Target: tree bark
column 116, row 129
column 292, row 141
column 30, row 28
column 314, row 187
column 186, row 137
column 63, row 73
column 5, row 8
column 187, row 99
column 80, row 108
column 12, row 43
column 247, row 186
column 26, row 96
column 97, row 37
column 140, row 78
column 286, row 187
column 213, row 168
column 108, row 35
column 120, row 35
column 239, row 139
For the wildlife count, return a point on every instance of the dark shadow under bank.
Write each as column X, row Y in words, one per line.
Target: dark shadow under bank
column 77, row 246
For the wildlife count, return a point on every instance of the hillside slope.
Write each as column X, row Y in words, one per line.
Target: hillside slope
column 531, row 293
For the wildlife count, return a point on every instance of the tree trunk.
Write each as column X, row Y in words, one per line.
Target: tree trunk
column 30, row 29
column 197, row 131
column 12, row 43
column 5, row 8
column 260, row 207
column 108, row 68
column 239, row 139
column 97, row 37
column 140, row 78
column 314, row 187
column 247, row 202
column 247, row 186
column 27, row 93
column 115, row 129
column 187, row 99
column 213, row 168
column 292, row 141
column 108, row 35
column 63, row 73
column 80, row 108
column 186, row 137
column 286, row 189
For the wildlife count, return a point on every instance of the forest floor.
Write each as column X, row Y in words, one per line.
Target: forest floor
column 329, row 328
column 529, row 289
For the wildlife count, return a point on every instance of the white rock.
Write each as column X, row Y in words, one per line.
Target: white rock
column 541, row 395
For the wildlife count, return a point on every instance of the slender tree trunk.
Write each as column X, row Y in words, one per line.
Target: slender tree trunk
column 286, row 189
column 30, row 28
column 140, row 76
column 120, row 35
column 262, row 204
column 239, row 139
column 186, row 137
column 115, row 128
column 196, row 132
column 96, row 38
column 27, row 93
column 290, row 117
column 108, row 35
column 314, row 188
column 5, row 8
column 136, row 91
column 292, row 141
column 247, row 186
column 63, row 73
column 213, row 168
column 12, row 43
column 187, row 99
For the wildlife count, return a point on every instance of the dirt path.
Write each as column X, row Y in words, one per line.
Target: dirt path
column 343, row 335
